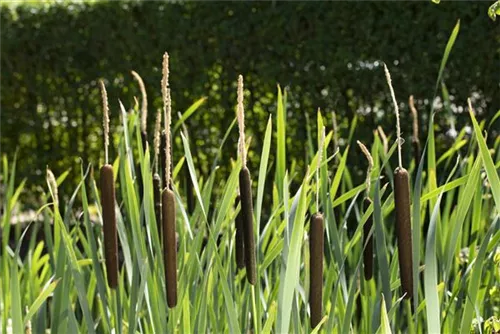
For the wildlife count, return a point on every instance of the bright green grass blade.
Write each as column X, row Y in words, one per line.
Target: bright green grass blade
column 270, row 319
column 475, row 283
column 497, row 115
column 281, row 143
column 338, row 174
column 463, row 206
column 431, row 195
column 416, row 226
column 431, row 273
column 192, row 172
column 16, row 307
column 291, row 278
column 42, row 297
column 263, row 171
column 190, row 111
column 346, row 326
column 385, row 326
column 455, row 148
column 489, row 166
column 380, row 244
column 354, row 124
column 447, row 51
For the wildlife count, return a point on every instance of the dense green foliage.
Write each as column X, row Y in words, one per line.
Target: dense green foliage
column 327, row 54
column 60, row 284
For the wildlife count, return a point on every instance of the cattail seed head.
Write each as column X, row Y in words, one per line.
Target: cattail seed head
column 368, row 241
column 247, row 217
column 239, row 242
column 316, row 246
column 109, row 224
column 403, row 229
column 169, row 246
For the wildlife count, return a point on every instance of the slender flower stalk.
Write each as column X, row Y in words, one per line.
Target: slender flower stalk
column 105, row 119
column 246, row 193
column 415, row 137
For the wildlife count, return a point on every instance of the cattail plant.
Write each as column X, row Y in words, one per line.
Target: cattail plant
column 316, row 246
column 368, row 241
column 415, row 141
column 108, row 201
column 144, row 109
column 240, row 248
column 168, row 199
column 402, row 205
column 246, row 193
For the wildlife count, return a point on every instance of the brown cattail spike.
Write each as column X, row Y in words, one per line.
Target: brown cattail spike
column 247, row 217
column 109, row 224
column 157, row 199
column 403, row 229
column 368, row 241
column 316, row 244
column 240, row 248
column 169, row 246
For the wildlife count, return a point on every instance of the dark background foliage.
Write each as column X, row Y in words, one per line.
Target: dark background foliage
column 328, row 55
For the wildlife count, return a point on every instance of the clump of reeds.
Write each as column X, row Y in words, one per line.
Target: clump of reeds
column 168, row 199
column 415, row 141
column 316, row 246
column 144, row 109
column 240, row 248
column 402, row 205
column 108, row 202
column 246, row 193
column 368, row 240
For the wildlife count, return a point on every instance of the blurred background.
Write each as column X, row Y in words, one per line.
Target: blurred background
column 326, row 55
